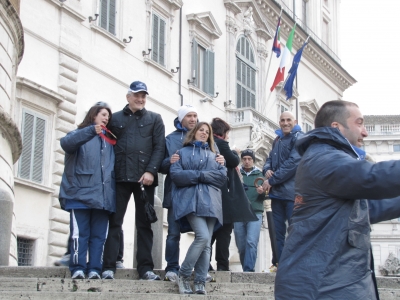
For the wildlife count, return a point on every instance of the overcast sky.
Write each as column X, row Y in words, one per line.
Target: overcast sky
column 369, row 40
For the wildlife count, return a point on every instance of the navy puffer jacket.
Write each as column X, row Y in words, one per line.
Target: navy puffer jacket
column 283, row 160
column 89, row 170
column 328, row 249
column 197, row 179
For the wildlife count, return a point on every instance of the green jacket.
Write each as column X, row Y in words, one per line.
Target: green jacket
column 255, row 198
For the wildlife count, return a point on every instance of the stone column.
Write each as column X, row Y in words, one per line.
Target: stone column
column 12, row 43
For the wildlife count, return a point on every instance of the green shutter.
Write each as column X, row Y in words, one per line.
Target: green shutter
column 209, row 72
column 162, row 43
column 238, row 96
column 194, row 62
column 111, row 16
column 154, row 44
column 27, row 142
column 104, row 14
column 38, row 149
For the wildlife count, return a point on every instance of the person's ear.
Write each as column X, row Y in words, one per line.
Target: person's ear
column 335, row 125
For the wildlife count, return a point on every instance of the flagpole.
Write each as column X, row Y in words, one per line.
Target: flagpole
column 269, row 66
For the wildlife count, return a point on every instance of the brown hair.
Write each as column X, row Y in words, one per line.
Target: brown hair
column 220, row 127
column 92, row 114
column 190, row 137
column 333, row 111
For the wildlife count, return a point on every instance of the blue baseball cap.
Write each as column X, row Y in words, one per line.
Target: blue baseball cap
column 138, row 86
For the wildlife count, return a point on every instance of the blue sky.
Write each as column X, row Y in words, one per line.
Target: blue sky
column 369, row 41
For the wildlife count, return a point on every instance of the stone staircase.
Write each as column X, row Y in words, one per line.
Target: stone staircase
column 55, row 283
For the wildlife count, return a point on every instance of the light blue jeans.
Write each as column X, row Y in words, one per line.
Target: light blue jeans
column 198, row 254
column 247, row 235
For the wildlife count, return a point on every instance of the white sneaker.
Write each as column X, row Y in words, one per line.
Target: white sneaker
column 171, row 276
column 107, row 275
column 119, row 265
column 78, row 275
column 93, row 275
column 209, row 278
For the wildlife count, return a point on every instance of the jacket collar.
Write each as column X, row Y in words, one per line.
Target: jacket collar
column 295, row 129
column 128, row 111
column 328, row 135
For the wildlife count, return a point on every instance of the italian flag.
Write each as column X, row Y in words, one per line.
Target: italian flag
column 280, row 74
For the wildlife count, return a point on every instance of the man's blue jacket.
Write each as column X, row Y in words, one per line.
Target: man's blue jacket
column 327, row 253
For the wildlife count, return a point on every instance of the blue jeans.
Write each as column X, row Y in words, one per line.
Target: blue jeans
column 281, row 212
column 247, row 235
column 172, row 243
column 198, row 254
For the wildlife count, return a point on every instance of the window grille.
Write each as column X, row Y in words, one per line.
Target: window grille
column 25, row 251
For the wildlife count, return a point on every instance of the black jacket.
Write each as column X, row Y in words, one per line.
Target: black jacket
column 140, row 144
column 236, row 206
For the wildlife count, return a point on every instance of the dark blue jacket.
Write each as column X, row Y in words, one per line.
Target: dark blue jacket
column 88, row 177
column 327, row 251
column 283, row 160
column 197, row 179
column 173, row 142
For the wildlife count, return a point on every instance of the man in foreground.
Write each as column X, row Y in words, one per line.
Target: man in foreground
column 327, row 254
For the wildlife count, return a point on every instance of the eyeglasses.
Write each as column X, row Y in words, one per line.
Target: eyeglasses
column 247, row 152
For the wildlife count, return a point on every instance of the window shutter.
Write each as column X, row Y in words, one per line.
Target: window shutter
column 111, row 16
column 194, row 62
column 27, row 141
column 38, row 150
column 162, row 43
column 154, row 44
column 209, row 72
column 103, row 14
column 238, row 96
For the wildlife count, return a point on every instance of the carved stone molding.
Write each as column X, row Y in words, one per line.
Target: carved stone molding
column 391, row 266
column 262, row 50
column 231, row 25
column 232, row 6
column 11, row 133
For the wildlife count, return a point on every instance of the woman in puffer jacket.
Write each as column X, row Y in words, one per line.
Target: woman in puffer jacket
column 196, row 198
column 87, row 190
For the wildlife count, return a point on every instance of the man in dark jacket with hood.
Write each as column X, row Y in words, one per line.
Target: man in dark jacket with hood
column 327, row 254
column 138, row 155
column 279, row 170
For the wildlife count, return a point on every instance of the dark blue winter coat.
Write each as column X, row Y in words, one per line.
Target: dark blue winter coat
column 327, row 251
column 197, row 179
column 88, row 177
column 173, row 142
column 283, row 160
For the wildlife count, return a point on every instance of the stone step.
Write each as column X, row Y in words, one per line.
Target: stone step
column 126, row 286
column 119, row 296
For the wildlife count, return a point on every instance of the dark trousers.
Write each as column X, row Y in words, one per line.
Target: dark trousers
column 143, row 227
column 281, row 212
column 88, row 234
column 223, row 239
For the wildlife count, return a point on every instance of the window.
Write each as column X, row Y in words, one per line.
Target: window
column 308, row 127
column 33, row 139
column 284, row 108
column 158, row 40
column 245, row 74
column 304, row 13
column 396, row 148
column 107, row 15
column 25, row 251
column 203, row 68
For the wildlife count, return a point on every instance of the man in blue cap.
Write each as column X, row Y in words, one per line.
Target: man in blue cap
column 138, row 155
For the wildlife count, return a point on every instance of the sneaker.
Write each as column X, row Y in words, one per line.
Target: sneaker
column 200, row 288
column 184, row 285
column 149, row 275
column 107, row 275
column 78, row 275
column 119, row 265
column 63, row 261
column 93, row 275
column 273, row 269
column 209, row 278
column 171, row 276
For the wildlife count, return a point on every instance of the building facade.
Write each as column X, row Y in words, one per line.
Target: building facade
column 215, row 55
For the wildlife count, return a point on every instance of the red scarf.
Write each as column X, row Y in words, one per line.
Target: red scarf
column 107, row 139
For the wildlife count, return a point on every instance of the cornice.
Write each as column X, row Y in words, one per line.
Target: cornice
column 200, row 19
column 48, row 93
column 230, row 5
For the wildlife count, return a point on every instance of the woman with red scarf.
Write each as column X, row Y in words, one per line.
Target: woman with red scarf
column 87, row 189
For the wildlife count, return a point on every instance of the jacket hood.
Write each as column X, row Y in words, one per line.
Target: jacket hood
column 329, row 135
column 295, row 129
column 178, row 126
column 255, row 171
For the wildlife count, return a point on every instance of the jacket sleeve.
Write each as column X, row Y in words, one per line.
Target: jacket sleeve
column 267, row 165
column 231, row 157
column 287, row 170
column 383, row 210
column 216, row 177
column 74, row 139
column 341, row 176
column 158, row 152
column 182, row 177
column 165, row 164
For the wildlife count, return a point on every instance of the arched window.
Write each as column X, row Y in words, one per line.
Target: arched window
column 245, row 74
